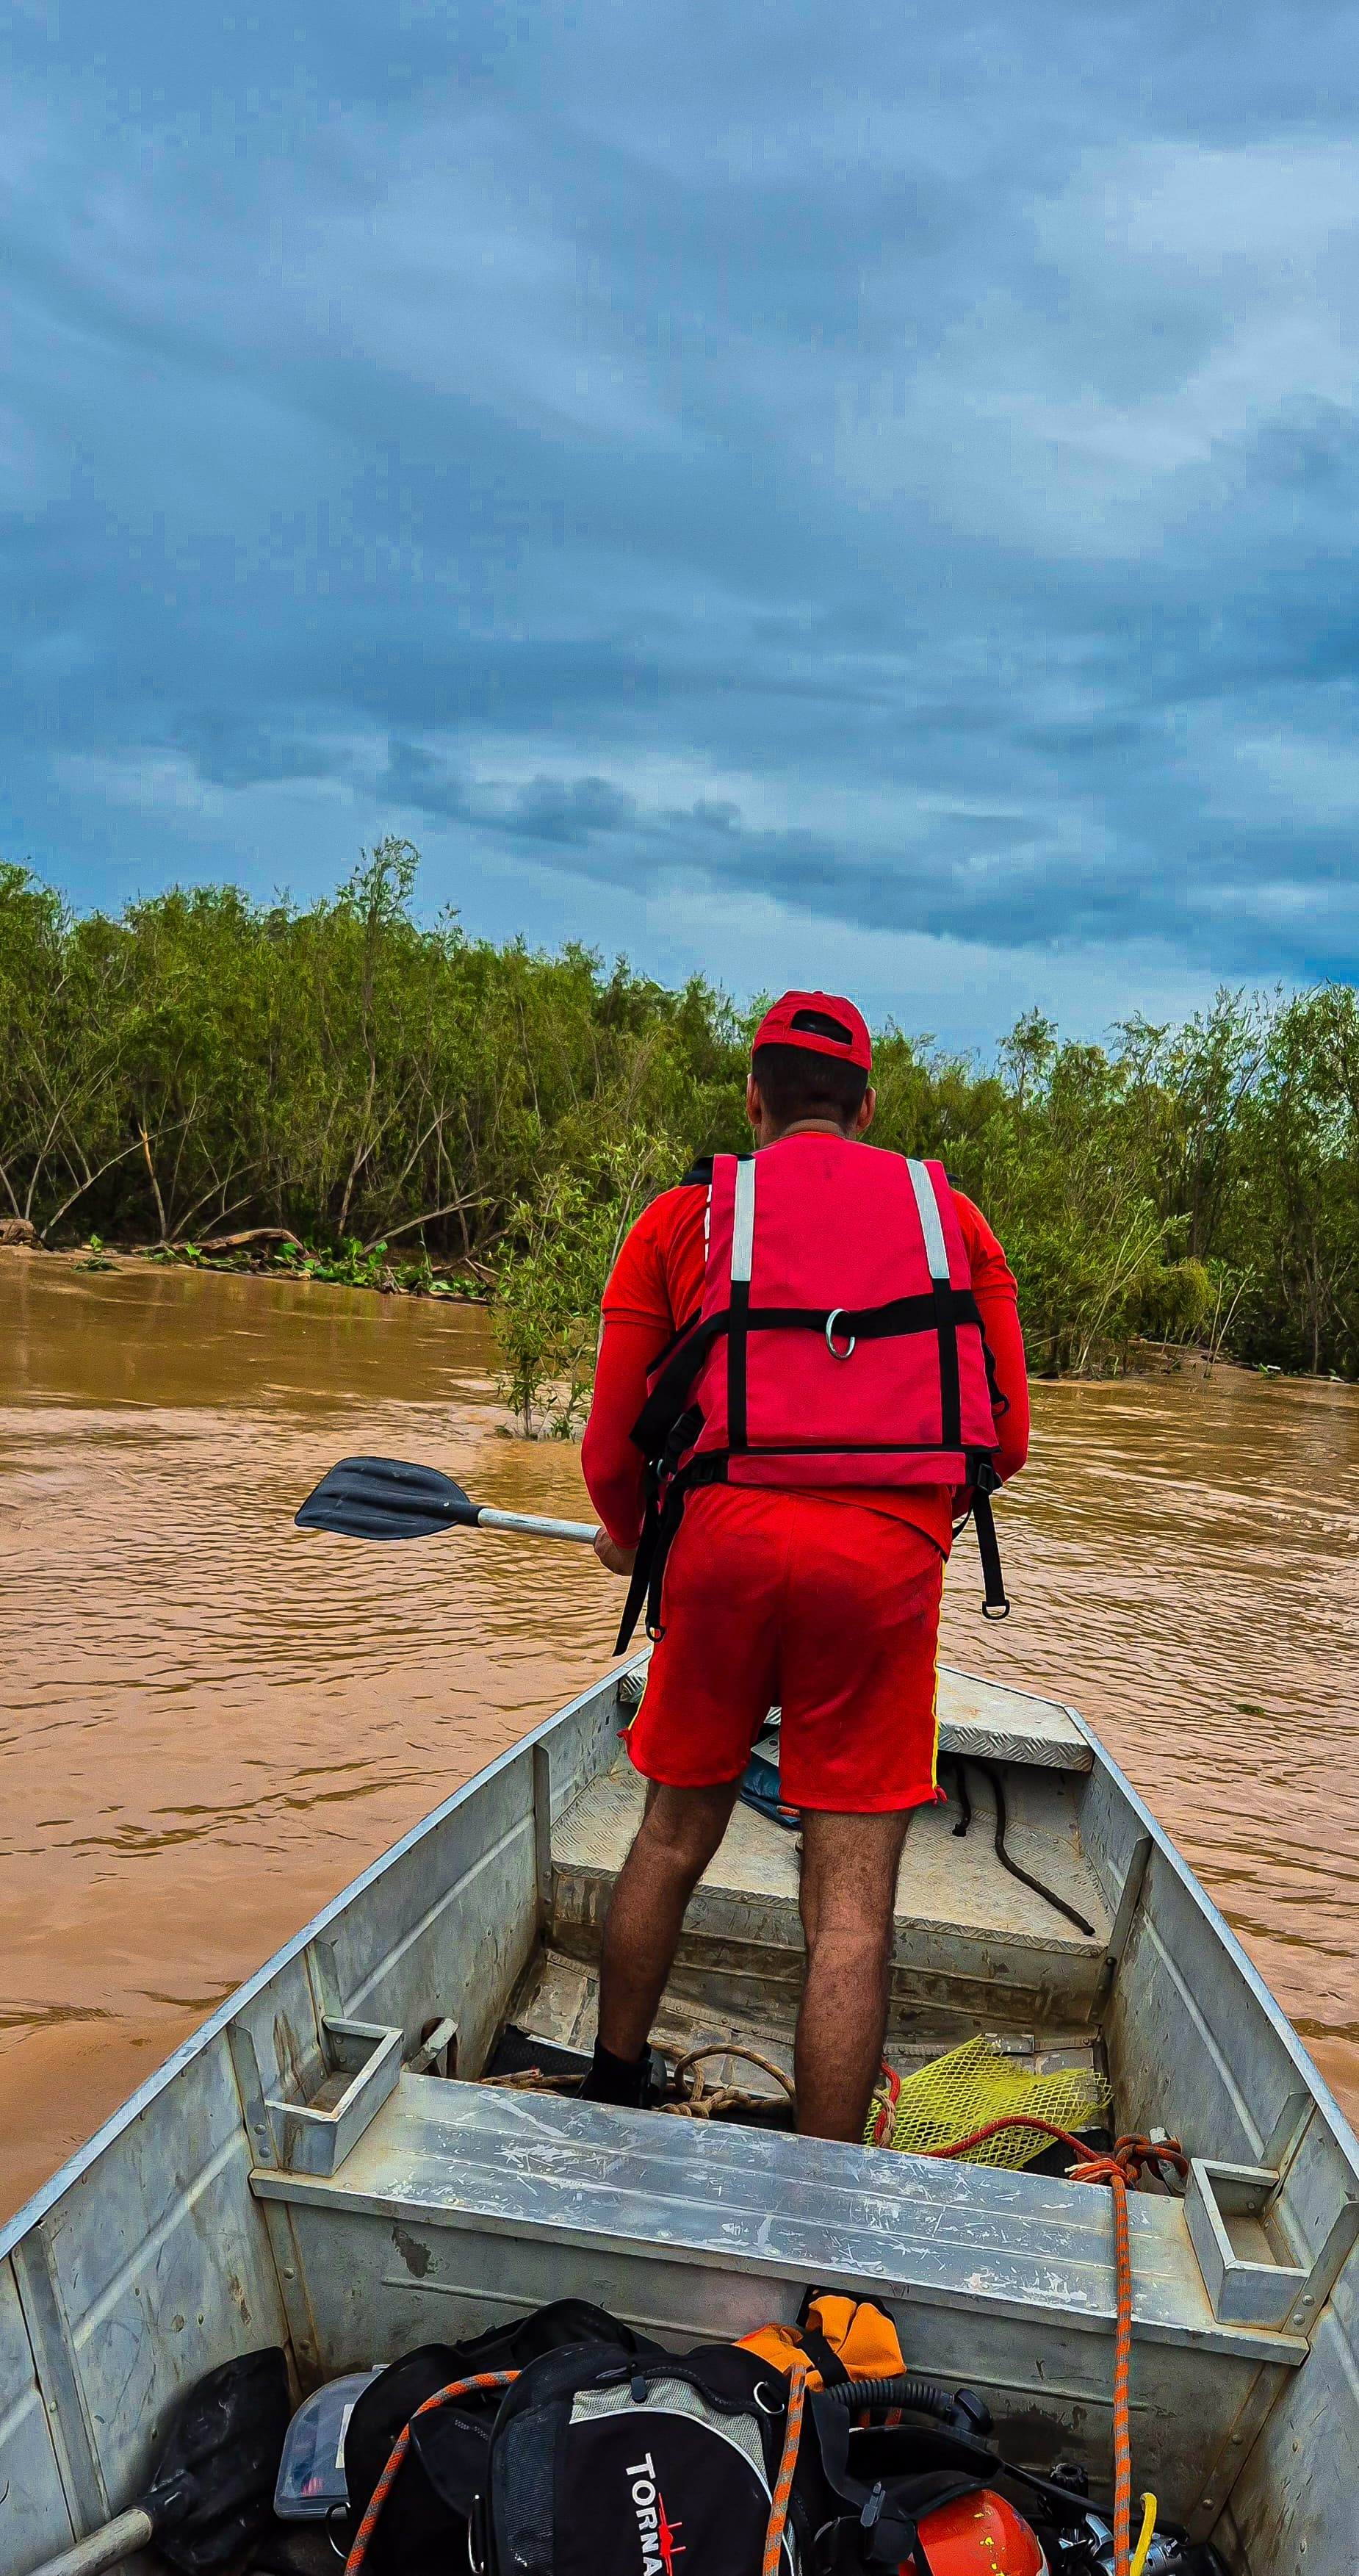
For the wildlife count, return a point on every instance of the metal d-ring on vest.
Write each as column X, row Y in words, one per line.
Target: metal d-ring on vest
column 831, row 1321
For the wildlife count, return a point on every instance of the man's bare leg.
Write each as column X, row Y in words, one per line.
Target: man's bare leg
column 674, row 1843
column 849, row 1878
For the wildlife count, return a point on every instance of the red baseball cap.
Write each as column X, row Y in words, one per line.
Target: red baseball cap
column 825, row 1023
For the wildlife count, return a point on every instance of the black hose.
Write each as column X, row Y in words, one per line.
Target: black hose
column 922, row 2396
column 965, row 1803
column 992, row 1776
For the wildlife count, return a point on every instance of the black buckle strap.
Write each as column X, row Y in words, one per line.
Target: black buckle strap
column 941, row 1310
column 641, row 1576
column 686, row 1352
column 882, row 2532
column 950, row 1390
column 664, row 1512
column 996, row 1604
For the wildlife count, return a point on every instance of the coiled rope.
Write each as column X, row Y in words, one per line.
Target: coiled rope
column 724, row 2099
column 701, row 2101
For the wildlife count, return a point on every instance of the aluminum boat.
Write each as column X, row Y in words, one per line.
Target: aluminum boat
column 319, row 2166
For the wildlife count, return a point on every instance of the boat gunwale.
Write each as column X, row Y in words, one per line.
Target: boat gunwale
column 1346, row 2137
column 76, row 2166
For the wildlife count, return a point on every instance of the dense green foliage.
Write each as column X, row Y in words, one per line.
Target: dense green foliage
column 202, row 1062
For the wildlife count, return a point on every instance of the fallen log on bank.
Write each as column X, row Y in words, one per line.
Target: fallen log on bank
column 253, row 1234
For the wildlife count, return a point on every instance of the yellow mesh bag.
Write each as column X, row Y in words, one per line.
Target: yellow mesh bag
column 974, row 2084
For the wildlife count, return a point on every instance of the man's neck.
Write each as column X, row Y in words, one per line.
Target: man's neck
column 808, row 1127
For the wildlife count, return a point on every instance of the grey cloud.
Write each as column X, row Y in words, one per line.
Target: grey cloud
column 901, row 470
column 546, row 810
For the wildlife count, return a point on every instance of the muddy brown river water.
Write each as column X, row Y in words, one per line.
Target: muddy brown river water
column 210, row 1721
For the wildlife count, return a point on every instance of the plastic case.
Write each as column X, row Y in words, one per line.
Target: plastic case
column 311, row 2471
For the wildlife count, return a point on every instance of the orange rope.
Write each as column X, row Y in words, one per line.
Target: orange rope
column 884, row 2118
column 1009, row 2120
column 783, row 2484
column 378, row 2498
column 1130, row 2158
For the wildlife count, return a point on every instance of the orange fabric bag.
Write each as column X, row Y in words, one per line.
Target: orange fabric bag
column 837, row 2337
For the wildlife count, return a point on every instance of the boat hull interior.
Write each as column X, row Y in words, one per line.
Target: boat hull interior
column 320, row 2165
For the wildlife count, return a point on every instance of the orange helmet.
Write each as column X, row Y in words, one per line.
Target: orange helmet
column 979, row 2535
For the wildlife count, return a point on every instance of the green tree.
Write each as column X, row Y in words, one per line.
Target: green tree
column 546, row 1306
column 366, row 1079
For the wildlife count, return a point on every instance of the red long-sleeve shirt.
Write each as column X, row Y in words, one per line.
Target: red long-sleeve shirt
column 657, row 1284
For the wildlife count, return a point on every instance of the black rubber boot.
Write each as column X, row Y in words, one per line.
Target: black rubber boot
column 624, row 2081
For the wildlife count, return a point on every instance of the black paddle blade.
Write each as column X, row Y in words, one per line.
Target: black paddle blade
column 214, row 2489
column 386, row 1498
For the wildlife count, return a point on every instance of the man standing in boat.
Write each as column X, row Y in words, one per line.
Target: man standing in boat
column 811, row 1363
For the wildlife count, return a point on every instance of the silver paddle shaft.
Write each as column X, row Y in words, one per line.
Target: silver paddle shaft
column 586, row 1532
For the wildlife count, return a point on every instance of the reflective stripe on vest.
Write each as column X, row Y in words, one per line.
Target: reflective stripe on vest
column 936, row 1250
column 743, row 1222
column 742, row 1263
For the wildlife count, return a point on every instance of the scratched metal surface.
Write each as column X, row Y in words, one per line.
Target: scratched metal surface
column 944, row 1879
column 460, row 2205
column 148, row 2259
column 460, row 2153
column 156, row 2251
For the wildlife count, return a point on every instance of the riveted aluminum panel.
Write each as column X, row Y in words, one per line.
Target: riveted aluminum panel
column 162, row 2266
column 1294, row 2505
column 34, row 2518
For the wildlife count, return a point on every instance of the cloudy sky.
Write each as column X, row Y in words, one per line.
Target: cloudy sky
column 821, row 493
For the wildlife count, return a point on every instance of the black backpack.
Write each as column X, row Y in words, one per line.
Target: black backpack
column 605, row 2455
column 657, row 2465
column 601, row 2466
column 446, row 2461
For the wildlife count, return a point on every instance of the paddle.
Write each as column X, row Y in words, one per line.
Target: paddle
column 389, row 1498
column 214, row 2489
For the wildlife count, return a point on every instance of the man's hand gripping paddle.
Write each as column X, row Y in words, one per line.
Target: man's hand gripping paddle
column 388, row 1498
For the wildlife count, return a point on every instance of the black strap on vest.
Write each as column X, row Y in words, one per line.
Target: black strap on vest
column 665, row 1492
column 737, row 1322
column 940, row 1310
column 641, row 1575
column 950, row 1394
column 986, row 1483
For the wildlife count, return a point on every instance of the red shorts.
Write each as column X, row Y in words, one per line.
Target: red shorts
column 824, row 1607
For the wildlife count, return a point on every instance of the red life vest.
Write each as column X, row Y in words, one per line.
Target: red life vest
column 843, row 1342
column 838, row 1341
